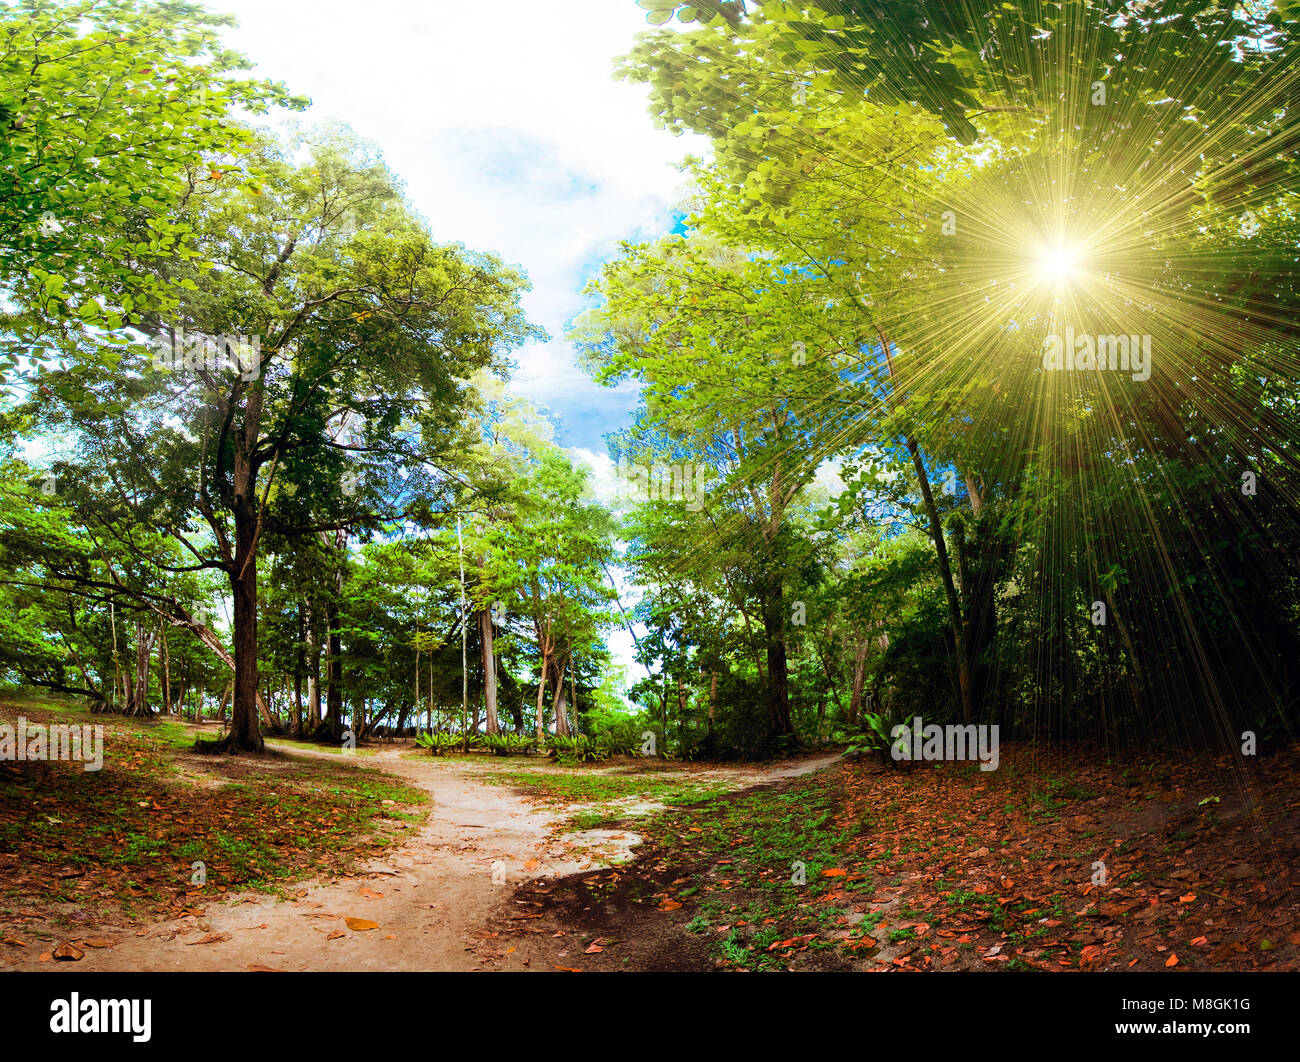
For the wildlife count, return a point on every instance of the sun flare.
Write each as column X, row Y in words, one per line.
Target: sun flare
column 1058, row 264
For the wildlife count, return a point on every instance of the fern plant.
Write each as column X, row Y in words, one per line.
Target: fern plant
column 439, row 744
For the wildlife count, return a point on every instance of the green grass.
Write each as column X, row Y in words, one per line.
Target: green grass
column 753, row 842
column 591, row 788
column 288, row 743
column 129, row 833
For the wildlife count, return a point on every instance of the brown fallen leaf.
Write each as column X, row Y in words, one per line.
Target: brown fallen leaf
column 1172, row 960
column 67, row 952
column 98, row 942
column 208, row 939
column 566, row 969
column 532, row 864
column 257, row 967
column 593, row 949
column 360, row 924
column 834, row 872
column 370, row 893
column 669, row 905
column 336, row 934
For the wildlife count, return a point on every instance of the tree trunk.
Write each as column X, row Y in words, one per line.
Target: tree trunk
column 333, row 722
column 541, row 699
column 312, row 638
column 245, row 735
column 558, row 700
column 573, row 696
column 945, row 568
column 949, row 587
column 165, row 665
column 859, row 673
column 778, row 676
column 138, row 694
column 713, row 700
column 487, row 651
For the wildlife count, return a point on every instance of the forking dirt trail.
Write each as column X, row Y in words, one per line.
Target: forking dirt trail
column 428, row 898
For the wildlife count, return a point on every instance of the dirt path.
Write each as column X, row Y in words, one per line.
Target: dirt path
column 431, row 899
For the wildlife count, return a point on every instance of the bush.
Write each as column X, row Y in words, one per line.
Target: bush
column 617, row 733
column 438, row 743
column 508, row 744
column 580, row 749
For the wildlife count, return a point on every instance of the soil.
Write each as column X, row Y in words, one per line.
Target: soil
column 453, row 898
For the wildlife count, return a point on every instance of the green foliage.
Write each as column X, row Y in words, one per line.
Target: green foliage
column 508, row 744
column 108, row 111
column 439, row 743
column 580, row 749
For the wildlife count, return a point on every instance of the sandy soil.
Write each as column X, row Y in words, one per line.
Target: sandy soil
column 431, row 901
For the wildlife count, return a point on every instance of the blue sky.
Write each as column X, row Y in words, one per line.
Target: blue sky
column 511, row 135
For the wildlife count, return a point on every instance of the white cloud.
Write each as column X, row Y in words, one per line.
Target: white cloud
column 509, row 130
column 512, row 136
column 603, row 484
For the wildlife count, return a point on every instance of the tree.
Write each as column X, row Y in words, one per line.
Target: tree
column 112, row 113
column 332, row 329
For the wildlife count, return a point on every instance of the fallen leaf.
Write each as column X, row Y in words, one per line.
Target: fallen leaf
column 370, row 893
column 67, row 952
column 211, row 938
column 590, row 951
column 833, row 873
column 669, row 905
column 360, row 924
column 98, row 942
column 566, row 969
column 335, row 934
column 1172, row 960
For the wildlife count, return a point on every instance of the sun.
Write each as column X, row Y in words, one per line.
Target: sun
column 1058, row 264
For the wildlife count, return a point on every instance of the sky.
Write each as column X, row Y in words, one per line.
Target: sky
column 512, row 136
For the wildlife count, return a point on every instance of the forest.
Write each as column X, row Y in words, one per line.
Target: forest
column 965, row 381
